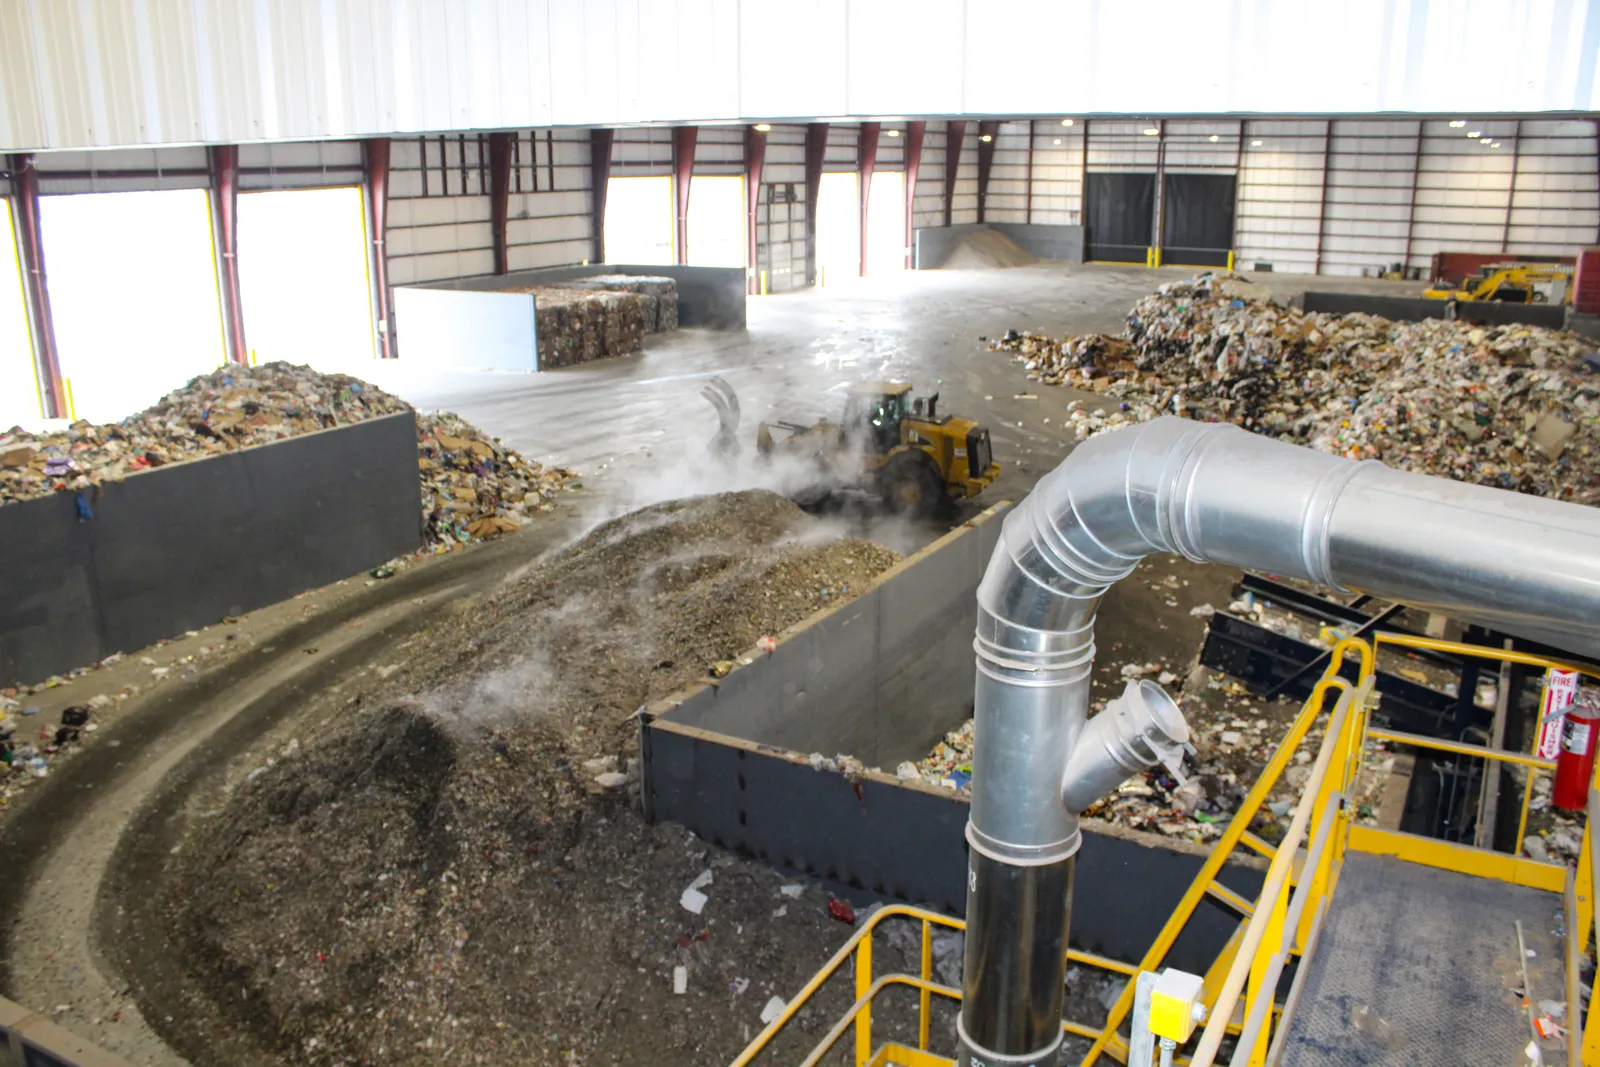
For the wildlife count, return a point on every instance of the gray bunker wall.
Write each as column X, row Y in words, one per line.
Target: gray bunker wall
column 179, row 547
column 882, row 678
column 1415, row 309
column 474, row 323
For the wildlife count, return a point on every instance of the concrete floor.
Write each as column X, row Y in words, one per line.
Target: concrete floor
column 636, row 429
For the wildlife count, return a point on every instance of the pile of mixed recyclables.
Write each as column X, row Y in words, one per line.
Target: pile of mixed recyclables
column 602, row 315
column 1512, row 406
column 473, row 487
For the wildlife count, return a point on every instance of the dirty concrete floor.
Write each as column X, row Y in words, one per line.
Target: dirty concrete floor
column 635, row 429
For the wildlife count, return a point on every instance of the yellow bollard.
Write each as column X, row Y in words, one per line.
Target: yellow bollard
column 763, row 283
column 72, row 407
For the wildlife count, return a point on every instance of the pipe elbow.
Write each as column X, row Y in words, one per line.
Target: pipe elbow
column 1140, row 729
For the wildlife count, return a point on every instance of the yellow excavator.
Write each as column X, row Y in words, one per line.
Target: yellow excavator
column 1513, row 283
column 888, row 445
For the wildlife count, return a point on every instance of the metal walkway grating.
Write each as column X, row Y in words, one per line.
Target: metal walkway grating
column 1415, row 968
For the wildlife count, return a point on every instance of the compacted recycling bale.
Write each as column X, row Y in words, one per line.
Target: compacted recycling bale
column 659, row 295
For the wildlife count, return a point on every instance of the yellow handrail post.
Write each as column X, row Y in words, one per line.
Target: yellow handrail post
column 863, row 986
column 927, row 975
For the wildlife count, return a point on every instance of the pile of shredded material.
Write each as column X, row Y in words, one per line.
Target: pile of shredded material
column 447, row 867
column 473, row 487
column 1509, row 406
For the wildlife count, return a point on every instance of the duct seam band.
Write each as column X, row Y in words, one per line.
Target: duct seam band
column 998, row 1059
column 1025, row 855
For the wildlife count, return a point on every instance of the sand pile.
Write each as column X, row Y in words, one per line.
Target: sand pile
column 460, row 874
column 987, row 250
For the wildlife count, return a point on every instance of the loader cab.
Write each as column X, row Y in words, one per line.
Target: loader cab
column 875, row 412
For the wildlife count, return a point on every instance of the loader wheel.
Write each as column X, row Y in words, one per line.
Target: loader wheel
column 910, row 485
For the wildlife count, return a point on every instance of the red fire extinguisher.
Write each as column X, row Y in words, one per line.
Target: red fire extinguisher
column 1575, row 763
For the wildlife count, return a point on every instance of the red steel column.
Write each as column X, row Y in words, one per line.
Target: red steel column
column 816, row 150
column 599, row 179
column 500, row 197
column 987, row 132
column 375, row 175
column 866, row 161
column 954, row 132
column 683, row 141
column 224, row 165
column 914, row 135
column 30, row 248
column 755, row 157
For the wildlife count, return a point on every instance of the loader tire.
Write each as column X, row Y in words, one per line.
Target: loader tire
column 910, row 485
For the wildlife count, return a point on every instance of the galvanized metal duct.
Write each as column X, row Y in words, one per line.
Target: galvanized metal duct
column 1213, row 493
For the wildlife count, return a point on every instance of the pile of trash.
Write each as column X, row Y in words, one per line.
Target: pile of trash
column 1512, row 406
column 473, row 487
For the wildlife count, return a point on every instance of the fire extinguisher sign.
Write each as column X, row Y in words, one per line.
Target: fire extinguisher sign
column 1559, row 688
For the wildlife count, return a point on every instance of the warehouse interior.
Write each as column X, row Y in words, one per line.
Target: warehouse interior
column 495, row 499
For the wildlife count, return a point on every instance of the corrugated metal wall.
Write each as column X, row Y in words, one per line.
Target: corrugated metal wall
column 144, row 72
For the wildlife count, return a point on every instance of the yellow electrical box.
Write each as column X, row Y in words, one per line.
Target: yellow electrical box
column 1175, row 1006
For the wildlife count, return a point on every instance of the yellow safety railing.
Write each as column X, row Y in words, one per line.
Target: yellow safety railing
column 1285, row 918
column 859, row 948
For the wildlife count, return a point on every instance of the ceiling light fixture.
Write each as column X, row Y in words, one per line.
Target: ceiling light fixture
column 763, row 127
column 892, row 133
column 1214, row 138
column 1255, row 144
column 1151, row 131
column 1066, row 122
column 1058, row 140
column 1474, row 133
column 1456, row 124
column 986, row 137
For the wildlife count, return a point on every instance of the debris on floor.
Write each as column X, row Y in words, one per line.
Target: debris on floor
column 472, row 847
column 473, row 486
column 1511, row 406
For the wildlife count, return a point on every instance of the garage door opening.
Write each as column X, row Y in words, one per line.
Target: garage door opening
column 886, row 223
column 639, row 220
column 303, row 278
column 838, row 228
column 716, row 221
column 19, row 391
column 133, row 291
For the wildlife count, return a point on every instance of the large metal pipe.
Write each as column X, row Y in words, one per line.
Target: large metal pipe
column 1213, row 493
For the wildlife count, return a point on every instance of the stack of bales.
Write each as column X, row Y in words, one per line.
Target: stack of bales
column 600, row 316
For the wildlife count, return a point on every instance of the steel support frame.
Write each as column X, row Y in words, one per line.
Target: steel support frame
column 1322, row 200
column 375, row 182
column 955, row 131
column 1238, row 181
column 866, row 163
column 1511, row 189
column 1027, row 179
column 683, row 142
column 30, row 254
column 816, row 152
column 755, row 158
column 987, row 133
column 915, row 131
column 223, row 170
column 500, row 198
column 1411, row 205
column 1159, row 221
column 599, row 180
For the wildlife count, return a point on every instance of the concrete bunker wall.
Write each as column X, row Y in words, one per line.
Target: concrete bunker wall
column 882, row 678
column 474, row 323
column 179, row 547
